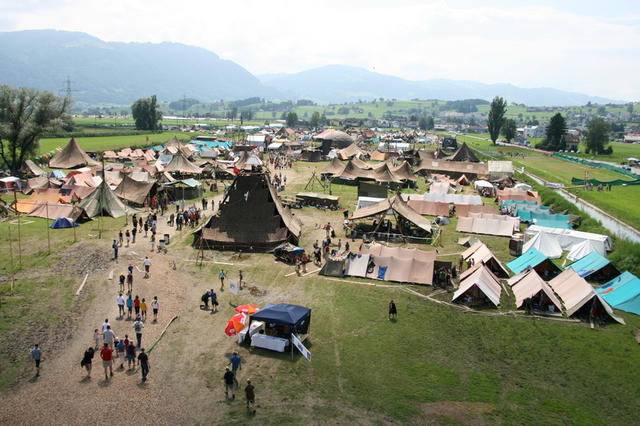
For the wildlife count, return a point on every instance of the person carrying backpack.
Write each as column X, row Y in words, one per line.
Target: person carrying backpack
column 205, row 300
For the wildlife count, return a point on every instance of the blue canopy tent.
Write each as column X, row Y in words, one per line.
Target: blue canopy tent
column 622, row 292
column 594, row 267
column 282, row 320
column 534, row 259
column 63, row 222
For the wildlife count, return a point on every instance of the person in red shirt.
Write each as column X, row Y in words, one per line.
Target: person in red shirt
column 136, row 305
column 106, row 353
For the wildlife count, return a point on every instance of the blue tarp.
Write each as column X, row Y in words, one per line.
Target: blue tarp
column 589, row 264
column 209, row 145
column 157, row 148
column 622, row 292
column 58, row 174
column 63, row 222
column 285, row 314
column 553, row 224
column 508, row 203
column 532, row 258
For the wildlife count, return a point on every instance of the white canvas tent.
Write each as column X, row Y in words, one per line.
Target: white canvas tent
column 568, row 238
column 580, row 250
column 545, row 243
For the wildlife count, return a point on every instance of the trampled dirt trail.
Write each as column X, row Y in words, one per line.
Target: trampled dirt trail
column 61, row 395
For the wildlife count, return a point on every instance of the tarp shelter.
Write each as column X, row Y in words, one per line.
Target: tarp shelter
column 578, row 297
column 104, row 202
column 441, row 188
column 580, row 250
column 296, row 318
column 133, row 190
column 397, row 205
column 40, row 182
column 180, row 163
column 393, row 264
column 429, row 208
column 515, row 222
column 32, row 169
column 54, row 210
column 251, row 216
column 454, row 198
column 43, row 195
column 58, row 174
column 464, row 153
column 479, row 253
column 622, row 292
column 517, row 195
column 479, row 225
column 454, row 169
column 63, row 222
column 464, row 210
column 529, row 285
column 500, row 169
column 478, row 287
column 71, row 156
column 334, row 268
column 568, row 238
column 533, row 259
column 185, row 189
column 351, row 151
column 595, row 267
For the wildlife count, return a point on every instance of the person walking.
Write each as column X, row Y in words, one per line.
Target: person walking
column 136, row 306
column 120, row 303
column 121, row 349
column 222, row 276
column 129, row 305
column 214, row 301
column 96, row 339
column 240, row 278
column 155, row 306
column 127, row 236
column 131, row 354
column 122, row 278
column 108, row 336
column 146, row 229
column 138, row 325
column 393, row 311
column 143, row 360
column 114, row 246
column 236, row 364
column 87, row 360
column 105, row 324
column 120, row 238
column 228, row 384
column 250, row 395
column 134, row 231
column 130, row 281
column 205, row 299
column 106, row 353
column 147, row 266
column 36, row 356
column 143, row 309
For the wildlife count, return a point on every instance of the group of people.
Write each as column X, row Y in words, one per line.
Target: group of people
column 279, row 181
column 138, row 225
column 189, row 217
column 279, row 162
column 230, row 379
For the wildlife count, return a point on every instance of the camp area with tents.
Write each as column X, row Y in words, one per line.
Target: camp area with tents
column 510, row 305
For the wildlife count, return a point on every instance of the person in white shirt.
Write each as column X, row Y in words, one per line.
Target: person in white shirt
column 105, row 324
column 155, row 306
column 147, row 265
column 120, row 301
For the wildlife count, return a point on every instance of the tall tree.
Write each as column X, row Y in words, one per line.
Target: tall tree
column 556, row 130
column 315, row 119
column 597, row 137
column 292, row 119
column 496, row 117
column 509, row 129
column 25, row 114
column 146, row 114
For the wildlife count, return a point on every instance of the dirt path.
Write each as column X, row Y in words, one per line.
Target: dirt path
column 62, row 395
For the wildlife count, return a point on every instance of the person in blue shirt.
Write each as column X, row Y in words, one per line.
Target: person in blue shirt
column 236, row 362
column 222, row 276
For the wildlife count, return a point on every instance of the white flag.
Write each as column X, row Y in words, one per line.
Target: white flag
column 234, row 286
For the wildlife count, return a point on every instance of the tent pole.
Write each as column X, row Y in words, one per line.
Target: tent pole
column 46, row 222
column 15, row 199
column 11, row 259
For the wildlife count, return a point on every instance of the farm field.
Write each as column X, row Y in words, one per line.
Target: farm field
column 435, row 363
column 102, row 143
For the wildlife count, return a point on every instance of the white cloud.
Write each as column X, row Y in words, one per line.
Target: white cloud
column 531, row 46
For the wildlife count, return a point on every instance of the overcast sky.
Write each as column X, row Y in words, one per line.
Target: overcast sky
column 588, row 46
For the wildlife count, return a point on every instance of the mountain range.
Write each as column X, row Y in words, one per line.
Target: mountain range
column 119, row 73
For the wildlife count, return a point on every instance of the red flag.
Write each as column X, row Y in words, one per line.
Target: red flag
column 236, row 171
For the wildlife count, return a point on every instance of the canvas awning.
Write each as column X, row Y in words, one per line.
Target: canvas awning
column 133, row 190
column 398, row 205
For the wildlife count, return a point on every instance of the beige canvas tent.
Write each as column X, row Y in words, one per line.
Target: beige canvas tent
column 397, row 205
column 529, row 285
column 32, row 169
column 429, row 208
column 351, row 151
column 454, row 169
column 578, row 297
column 48, row 210
column 404, row 172
column 133, row 190
column 464, row 153
column 394, row 264
column 479, row 286
column 180, row 163
column 474, row 225
column 70, row 156
column 479, row 253
column 463, row 210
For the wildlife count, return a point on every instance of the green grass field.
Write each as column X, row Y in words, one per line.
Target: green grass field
column 103, row 143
